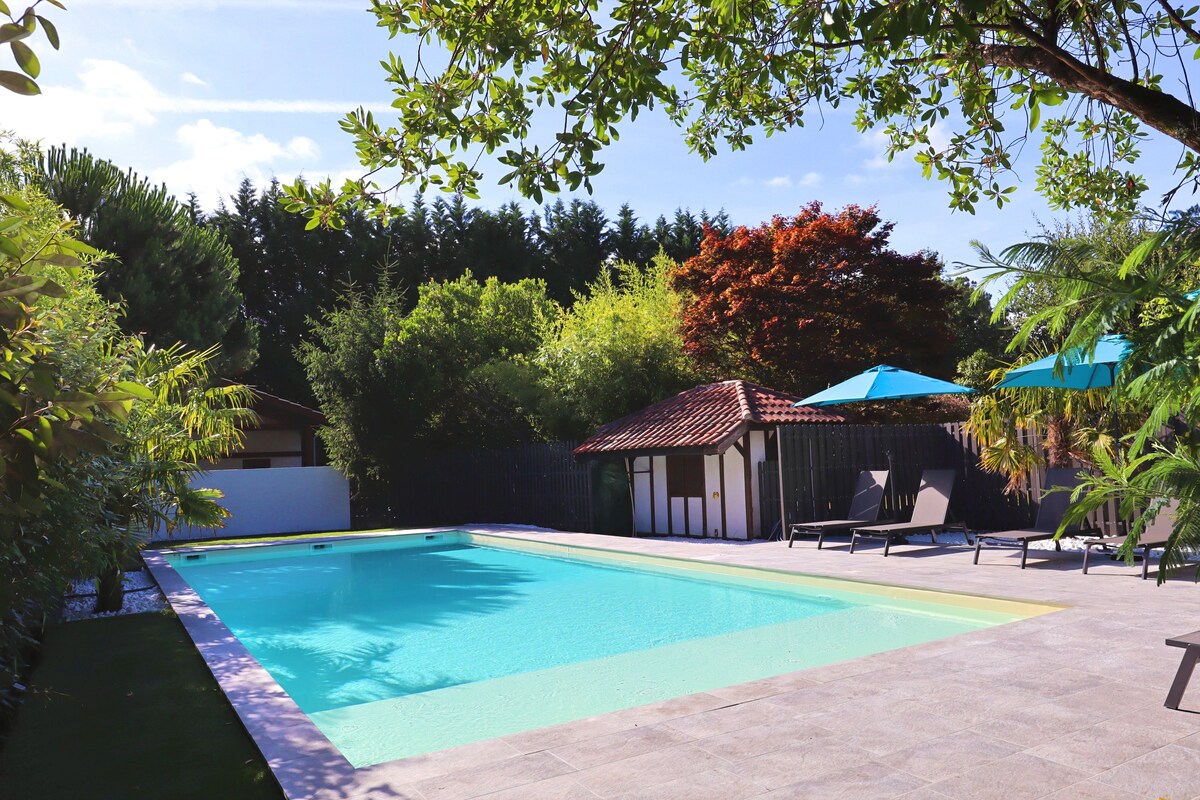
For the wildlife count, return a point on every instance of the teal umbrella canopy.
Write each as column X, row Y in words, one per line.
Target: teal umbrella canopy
column 1078, row 373
column 883, row 383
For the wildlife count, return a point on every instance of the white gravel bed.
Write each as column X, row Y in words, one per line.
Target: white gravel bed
column 141, row 596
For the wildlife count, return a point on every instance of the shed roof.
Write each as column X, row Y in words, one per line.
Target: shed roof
column 707, row 419
column 270, row 405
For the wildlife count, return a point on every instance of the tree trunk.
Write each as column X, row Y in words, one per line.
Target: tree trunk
column 1058, row 442
column 1156, row 108
column 110, row 590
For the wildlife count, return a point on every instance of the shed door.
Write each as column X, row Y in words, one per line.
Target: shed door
column 685, row 494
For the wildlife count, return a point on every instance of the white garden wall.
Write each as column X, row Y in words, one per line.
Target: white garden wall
column 287, row 500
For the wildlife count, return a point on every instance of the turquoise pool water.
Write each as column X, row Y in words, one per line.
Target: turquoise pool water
column 399, row 650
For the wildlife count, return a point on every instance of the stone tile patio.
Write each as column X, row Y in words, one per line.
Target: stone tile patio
column 1065, row 705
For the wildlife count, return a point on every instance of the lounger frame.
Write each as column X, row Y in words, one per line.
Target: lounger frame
column 1190, row 642
column 1051, row 509
column 929, row 512
column 1155, row 536
column 864, row 508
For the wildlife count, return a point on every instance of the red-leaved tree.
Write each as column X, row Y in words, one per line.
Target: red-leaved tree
column 803, row 302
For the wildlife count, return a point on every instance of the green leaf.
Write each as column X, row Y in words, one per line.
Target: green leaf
column 76, row 246
column 14, row 201
column 9, row 248
column 10, row 31
column 51, row 31
column 4, row 9
column 26, row 60
column 59, row 260
column 136, row 389
column 18, row 83
column 21, row 285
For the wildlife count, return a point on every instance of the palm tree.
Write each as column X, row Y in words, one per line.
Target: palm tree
column 181, row 423
column 1020, row 430
column 1144, row 294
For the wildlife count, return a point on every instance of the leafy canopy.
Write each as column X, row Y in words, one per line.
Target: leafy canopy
column 618, row 349
column 162, row 260
column 546, row 86
column 390, row 381
column 762, row 301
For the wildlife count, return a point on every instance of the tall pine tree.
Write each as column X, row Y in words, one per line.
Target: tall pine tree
column 177, row 280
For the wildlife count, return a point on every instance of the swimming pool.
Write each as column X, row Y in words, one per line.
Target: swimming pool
column 401, row 645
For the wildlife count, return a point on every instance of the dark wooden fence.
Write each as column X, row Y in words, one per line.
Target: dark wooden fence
column 542, row 484
column 821, row 463
column 531, row 484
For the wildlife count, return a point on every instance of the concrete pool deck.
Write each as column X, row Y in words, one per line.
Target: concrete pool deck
column 1064, row 705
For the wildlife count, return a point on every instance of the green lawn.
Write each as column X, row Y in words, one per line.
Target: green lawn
column 125, row 708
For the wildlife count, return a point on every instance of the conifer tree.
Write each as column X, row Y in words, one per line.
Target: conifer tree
column 177, row 280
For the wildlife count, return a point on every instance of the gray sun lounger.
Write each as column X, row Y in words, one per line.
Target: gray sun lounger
column 1050, row 513
column 929, row 512
column 1153, row 537
column 864, row 509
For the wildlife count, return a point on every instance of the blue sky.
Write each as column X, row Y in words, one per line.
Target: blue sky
column 199, row 93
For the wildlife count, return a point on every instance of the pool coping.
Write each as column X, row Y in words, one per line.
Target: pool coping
column 308, row 766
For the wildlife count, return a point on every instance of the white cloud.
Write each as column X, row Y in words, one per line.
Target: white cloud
column 781, row 181
column 110, row 103
column 114, row 99
column 193, row 78
column 877, row 142
column 218, row 158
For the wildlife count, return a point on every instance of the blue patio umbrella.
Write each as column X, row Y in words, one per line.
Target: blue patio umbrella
column 1077, row 373
column 883, row 383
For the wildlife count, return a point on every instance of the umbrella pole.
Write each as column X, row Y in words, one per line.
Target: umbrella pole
column 891, row 482
column 812, row 480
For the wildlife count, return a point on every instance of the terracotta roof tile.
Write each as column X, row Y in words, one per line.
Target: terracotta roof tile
column 704, row 419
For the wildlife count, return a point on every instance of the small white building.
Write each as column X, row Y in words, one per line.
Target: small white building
column 693, row 459
column 272, row 484
column 284, row 436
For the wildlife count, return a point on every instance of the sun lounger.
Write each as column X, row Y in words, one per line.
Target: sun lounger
column 864, row 509
column 1154, row 536
column 1190, row 642
column 1050, row 513
column 929, row 512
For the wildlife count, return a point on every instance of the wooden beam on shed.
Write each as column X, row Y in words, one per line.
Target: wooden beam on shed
column 724, row 519
column 782, row 502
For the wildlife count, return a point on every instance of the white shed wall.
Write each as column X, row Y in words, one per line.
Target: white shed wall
column 735, row 495
column 642, row 517
column 758, row 454
column 290, row 500
column 662, row 516
column 660, row 495
column 712, row 495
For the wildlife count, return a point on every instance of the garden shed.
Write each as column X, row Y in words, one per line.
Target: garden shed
column 693, row 459
column 273, row 483
column 285, row 436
